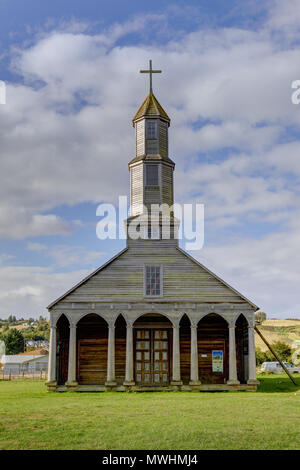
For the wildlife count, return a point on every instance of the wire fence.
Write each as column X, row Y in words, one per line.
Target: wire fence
column 37, row 375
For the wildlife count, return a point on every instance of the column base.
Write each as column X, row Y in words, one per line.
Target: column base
column 233, row 382
column 51, row 385
column 176, row 382
column 128, row 383
column 194, row 382
column 71, row 385
column 110, row 383
column 252, row 382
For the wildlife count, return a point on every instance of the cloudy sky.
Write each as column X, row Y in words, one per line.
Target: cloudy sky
column 71, row 73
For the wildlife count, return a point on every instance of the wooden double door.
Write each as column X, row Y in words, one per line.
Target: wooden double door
column 152, row 356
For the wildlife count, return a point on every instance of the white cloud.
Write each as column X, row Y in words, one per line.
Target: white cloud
column 265, row 269
column 66, row 135
column 67, row 255
column 26, row 291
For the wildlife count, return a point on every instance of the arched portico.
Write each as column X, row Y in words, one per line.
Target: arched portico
column 213, row 349
column 62, row 349
column 92, row 348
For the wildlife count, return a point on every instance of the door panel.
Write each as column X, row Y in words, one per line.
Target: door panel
column 152, row 357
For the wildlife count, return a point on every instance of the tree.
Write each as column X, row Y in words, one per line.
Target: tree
column 14, row 341
column 260, row 316
column 283, row 350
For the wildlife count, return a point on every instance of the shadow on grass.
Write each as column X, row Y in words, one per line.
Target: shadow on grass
column 278, row 383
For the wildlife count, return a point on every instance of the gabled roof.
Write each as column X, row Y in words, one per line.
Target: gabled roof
column 151, row 107
column 86, row 279
column 218, row 278
column 18, row 359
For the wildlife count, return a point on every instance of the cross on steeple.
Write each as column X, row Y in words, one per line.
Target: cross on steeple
column 150, row 71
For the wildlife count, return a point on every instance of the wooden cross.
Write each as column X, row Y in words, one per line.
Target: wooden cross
column 150, row 71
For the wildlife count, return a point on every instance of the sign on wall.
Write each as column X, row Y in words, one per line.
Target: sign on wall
column 217, row 361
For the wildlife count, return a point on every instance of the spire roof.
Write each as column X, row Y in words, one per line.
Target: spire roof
column 151, row 107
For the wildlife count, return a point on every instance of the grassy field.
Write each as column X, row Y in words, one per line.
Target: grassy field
column 31, row 418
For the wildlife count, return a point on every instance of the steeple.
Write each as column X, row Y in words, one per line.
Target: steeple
column 151, row 169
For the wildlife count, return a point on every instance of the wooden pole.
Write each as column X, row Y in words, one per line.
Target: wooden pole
column 274, row 354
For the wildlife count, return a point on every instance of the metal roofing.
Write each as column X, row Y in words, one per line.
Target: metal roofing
column 151, row 107
column 16, row 359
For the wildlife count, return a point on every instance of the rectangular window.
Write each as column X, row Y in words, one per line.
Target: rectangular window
column 153, row 280
column 151, row 129
column 153, row 232
column 152, row 175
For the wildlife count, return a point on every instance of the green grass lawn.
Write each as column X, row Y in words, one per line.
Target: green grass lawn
column 32, row 418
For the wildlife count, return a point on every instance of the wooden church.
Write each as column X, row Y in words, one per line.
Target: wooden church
column 152, row 317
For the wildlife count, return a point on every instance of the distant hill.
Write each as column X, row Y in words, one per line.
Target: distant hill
column 278, row 330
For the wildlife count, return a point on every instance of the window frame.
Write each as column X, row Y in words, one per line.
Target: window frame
column 150, row 135
column 151, row 296
column 157, row 166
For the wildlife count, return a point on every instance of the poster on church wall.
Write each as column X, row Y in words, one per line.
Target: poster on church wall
column 217, row 361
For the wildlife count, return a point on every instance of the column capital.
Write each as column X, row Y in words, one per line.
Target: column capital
column 194, row 326
column 73, row 326
column 53, row 327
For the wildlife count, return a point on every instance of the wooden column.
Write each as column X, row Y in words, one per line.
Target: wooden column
column 232, row 357
column 251, row 357
column 52, row 357
column 194, row 377
column 129, row 356
column 72, row 358
column 176, row 357
column 111, row 376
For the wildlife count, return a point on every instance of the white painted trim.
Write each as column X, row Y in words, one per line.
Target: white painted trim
column 161, row 281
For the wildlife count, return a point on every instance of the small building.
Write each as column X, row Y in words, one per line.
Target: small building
column 153, row 317
column 17, row 364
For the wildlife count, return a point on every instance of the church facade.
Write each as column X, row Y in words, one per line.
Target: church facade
column 152, row 318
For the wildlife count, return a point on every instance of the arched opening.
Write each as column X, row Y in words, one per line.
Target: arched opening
column 152, row 339
column 185, row 348
column 241, row 340
column 92, row 344
column 62, row 350
column 213, row 349
column 120, row 349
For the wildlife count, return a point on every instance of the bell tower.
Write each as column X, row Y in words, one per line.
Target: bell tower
column 151, row 170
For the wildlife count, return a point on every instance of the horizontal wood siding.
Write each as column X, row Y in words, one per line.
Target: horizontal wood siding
column 122, row 280
column 92, row 334
column 185, row 350
column 120, row 350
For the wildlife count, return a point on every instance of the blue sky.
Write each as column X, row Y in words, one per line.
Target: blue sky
column 71, row 71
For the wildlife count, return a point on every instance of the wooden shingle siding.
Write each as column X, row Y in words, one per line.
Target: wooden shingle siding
column 183, row 280
column 140, row 138
column 167, row 185
column 137, row 189
column 163, row 138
